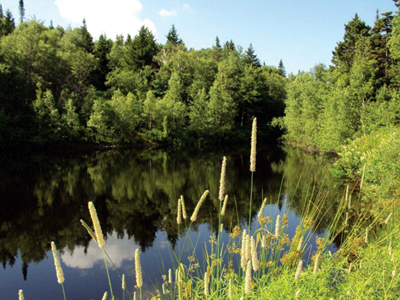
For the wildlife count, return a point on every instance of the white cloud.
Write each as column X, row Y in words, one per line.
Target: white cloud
column 167, row 13
column 103, row 16
column 186, row 6
column 116, row 249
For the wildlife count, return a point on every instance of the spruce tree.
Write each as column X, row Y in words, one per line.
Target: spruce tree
column 21, row 10
column 173, row 37
column 217, row 43
column 86, row 41
column 281, row 69
column 380, row 36
column 343, row 55
column 102, row 50
column 230, row 46
column 251, row 57
column 7, row 24
column 141, row 50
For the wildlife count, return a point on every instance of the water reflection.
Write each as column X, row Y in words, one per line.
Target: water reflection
column 44, row 197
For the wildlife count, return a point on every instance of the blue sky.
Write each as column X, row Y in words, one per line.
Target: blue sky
column 302, row 33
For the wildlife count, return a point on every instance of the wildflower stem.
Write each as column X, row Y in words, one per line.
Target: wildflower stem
column 62, row 286
column 251, row 200
column 108, row 274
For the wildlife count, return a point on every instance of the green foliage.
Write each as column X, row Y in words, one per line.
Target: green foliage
column 343, row 56
column 115, row 120
column 48, row 117
column 7, row 23
column 173, row 37
column 372, row 162
column 141, row 50
column 326, row 108
column 91, row 83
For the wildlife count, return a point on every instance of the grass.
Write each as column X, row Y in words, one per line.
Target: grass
column 262, row 261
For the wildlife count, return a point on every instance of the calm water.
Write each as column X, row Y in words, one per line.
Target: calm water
column 43, row 197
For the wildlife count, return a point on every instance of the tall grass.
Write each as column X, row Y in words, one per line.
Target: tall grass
column 261, row 260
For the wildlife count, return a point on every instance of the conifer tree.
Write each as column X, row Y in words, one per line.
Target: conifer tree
column 217, row 43
column 140, row 52
column 86, row 41
column 230, row 46
column 173, row 37
column 380, row 36
column 102, row 50
column 21, row 10
column 281, row 69
column 7, row 24
column 343, row 55
column 251, row 57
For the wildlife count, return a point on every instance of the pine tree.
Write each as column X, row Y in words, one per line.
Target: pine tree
column 173, row 37
column 102, row 50
column 21, row 10
column 230, row 46
column 86, row 41
column 141, row 50
column 343, row 55
column 7, row 24
column 380, row 36
column 281, row 69
column 251, row 57
column 217, row 43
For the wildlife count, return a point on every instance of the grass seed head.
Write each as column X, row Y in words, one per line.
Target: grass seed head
column 184, row 215
column 57, row 264
column 253, row 146
column 277, row 226
column 224, row 206
column 300, row 244
column 138, row 269
column 169, row 276
column 21, row 295
column 196, row 210
column 104, row 296
column 247, row 285
column 96, row 225
column 254, row 257
column 179, row 216
column 222, row 180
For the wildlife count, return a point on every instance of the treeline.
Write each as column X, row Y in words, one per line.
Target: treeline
column 58, row 85
column 353, row 108
column 359, row 93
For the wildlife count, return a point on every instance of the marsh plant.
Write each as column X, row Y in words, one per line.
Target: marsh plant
column 261, row 261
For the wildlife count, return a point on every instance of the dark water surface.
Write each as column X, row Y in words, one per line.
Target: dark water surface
column 43, row 198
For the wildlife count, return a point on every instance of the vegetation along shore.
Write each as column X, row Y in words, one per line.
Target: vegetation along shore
column 59, row 87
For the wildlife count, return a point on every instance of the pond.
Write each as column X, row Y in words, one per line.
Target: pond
column 43, row 197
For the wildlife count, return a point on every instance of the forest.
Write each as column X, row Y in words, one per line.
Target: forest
column 60, row 86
